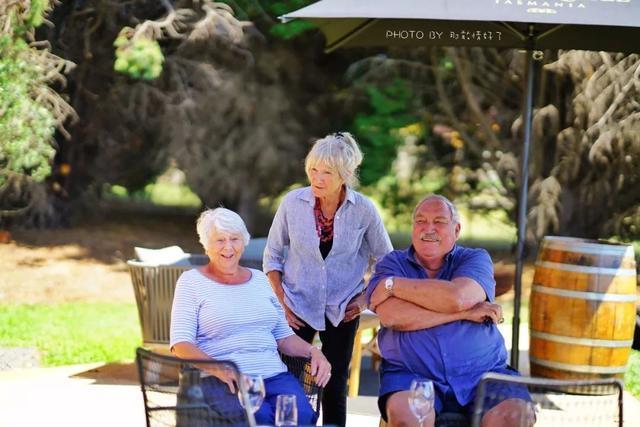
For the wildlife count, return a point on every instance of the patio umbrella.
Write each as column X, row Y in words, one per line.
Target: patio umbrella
column 608, row 25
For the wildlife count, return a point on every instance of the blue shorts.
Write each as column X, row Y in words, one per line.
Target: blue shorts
column 395, row 378
column 219, row 398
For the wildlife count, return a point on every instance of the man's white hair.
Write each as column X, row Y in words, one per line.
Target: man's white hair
column 455, row 216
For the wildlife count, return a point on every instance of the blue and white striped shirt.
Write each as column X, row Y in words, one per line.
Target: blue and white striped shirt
column 241, row 323
column 313, row 286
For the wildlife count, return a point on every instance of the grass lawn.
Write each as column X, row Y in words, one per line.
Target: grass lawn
column 159, row 193
column 72, row 333
column 75, row 333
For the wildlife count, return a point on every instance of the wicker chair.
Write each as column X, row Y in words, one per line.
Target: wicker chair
column 559, row 403
column 153, row 286
column 300, row 368
column 173, row 396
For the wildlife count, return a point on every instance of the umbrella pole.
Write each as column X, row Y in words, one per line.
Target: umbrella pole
column 522, row 205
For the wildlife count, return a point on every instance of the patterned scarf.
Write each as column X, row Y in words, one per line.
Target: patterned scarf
column 324, row 226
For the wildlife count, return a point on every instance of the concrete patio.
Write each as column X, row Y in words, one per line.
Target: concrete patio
column 109, row 395
column 101, row 395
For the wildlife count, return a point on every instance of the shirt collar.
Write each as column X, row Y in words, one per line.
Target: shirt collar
column 411, row 255
column 307, row 195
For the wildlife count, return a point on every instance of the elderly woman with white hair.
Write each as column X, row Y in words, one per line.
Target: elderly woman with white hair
column 322, row 241
column 228, row 312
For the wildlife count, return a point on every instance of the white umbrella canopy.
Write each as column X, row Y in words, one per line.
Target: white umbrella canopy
column 602, row 25
column 611, row 25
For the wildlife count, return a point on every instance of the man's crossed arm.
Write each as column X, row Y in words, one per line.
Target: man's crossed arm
column 401, row 315
column 414, row 306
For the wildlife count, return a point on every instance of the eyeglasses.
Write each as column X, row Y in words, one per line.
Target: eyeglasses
column 340, row 136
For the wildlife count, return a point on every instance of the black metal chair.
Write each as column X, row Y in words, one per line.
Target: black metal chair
column 557, row 402
column 300, row 367
column 173, row 394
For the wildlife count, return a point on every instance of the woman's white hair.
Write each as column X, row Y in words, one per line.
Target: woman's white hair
column 338, row 151
column 219, row 220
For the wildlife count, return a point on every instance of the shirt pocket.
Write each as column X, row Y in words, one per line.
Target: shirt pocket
column 303, row 237
column 349, row 241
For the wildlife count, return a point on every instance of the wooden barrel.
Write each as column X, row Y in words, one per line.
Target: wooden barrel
column 582, row 309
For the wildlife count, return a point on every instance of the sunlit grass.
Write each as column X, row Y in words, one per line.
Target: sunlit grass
column 172, row 195
column 632, row 377
column 72, row 333
column 159, row 193
column 168, row 189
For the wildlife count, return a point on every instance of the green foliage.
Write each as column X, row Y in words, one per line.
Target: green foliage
column 35, row 18
column 290, row 30
column 22, row 18
column 632, row 376
column 397, row 197
column 160, row 193
column 249, row 10
column 26, row 124
column 378, row 131
column 139, row 57
column 72, row 333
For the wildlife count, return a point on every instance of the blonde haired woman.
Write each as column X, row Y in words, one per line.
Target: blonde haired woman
column 321, row 243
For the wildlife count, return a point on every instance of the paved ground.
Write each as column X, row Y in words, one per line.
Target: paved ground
column 99, row 395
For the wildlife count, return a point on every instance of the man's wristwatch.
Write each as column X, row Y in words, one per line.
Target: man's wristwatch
column 388, row 285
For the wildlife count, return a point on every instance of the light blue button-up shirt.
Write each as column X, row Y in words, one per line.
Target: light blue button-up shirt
column 315, row 287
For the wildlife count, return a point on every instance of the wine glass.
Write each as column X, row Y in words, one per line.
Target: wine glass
column 421, row 398
column 253, row 385
column 286, row 410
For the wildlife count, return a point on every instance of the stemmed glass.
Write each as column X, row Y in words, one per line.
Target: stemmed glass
column 286, row 410
column 421, row 398
column 253, row 385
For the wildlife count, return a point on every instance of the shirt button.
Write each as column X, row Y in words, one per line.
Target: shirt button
column 338, row 217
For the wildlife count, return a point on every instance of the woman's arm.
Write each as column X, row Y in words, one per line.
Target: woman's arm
column 277, row 240
column 380, row 245
column 293, row 345
column 275, row 278
column 377, row 237
column 273, row 260
column 187, row 350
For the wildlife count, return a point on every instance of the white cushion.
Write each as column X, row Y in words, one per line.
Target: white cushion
column 171, row 255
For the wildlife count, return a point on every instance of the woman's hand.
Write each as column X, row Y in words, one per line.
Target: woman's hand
column 356, row 306
column 224, row 373
column 295, row 346
column 484, row 311
column 378, row 296
column 275, row 278
column 320, row 367
column 291, row 317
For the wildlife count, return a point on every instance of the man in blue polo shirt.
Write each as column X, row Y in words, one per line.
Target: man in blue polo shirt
column 435, row 304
